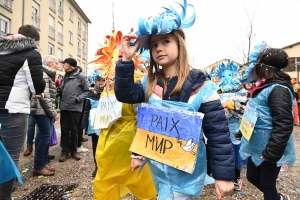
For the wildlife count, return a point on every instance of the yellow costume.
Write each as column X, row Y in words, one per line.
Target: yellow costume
column 114, row 177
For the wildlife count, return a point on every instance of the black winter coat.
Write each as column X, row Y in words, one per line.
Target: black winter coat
column 281, row 110
column 87, row 108
column 215, row 125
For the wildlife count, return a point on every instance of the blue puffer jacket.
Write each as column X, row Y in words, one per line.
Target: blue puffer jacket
column 215, row 125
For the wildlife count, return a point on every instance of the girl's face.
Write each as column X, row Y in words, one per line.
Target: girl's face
column 248, row 86
column 164, row 50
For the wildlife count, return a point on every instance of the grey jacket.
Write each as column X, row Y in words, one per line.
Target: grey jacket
column 73, row 90
column 46, row 105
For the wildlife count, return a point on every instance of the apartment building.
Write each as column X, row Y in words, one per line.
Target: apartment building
column 62, row 24
column 293, row 50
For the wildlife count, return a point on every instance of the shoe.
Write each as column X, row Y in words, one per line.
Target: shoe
column 51, row 157
column 75, row 156
column 63, row 157
column 84, row 140
column 238, row 185
column 49, row 167
column 284, row 197
column 94, row 172
column 28, row 151
column 81, row 149
column 43, row 172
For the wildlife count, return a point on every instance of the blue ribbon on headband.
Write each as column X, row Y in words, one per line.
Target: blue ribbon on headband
column 253, row 56
column 164, row 23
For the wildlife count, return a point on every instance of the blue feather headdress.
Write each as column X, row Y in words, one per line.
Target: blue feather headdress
column 229, row 75
column 253, row 56
column 164, row 23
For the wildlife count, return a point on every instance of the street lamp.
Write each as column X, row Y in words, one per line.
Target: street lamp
column 296, row 64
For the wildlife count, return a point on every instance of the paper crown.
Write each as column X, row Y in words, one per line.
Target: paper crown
column 107, row 57
column 227, row 76
column 253, row 56
column 164, row 23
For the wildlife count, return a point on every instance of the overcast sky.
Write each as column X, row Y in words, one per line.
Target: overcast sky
column 220, row 28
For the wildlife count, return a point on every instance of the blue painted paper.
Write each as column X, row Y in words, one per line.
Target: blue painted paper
column 176, row 124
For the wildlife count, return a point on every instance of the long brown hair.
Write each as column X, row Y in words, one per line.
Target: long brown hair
column 182, row 68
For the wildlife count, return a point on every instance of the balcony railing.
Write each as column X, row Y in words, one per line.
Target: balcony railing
column 60, row 12
column 51, row 32
column 6, row 3
column 36, row 20
column 52, row 5
column 79, row 51
column 79, row 30
column 84, row 35
column 60, row 38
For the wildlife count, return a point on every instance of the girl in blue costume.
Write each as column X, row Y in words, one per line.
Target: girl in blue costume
column 91, row 103
column 271, row 144
column 172, row 82
column 234, row 99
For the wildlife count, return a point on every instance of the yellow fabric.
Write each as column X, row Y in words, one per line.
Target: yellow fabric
column 114, row 177
column 230, row 105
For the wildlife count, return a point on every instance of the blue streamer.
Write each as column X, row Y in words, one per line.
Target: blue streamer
column 164, row 23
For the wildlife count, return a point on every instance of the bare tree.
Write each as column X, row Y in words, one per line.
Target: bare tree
column 243, row 50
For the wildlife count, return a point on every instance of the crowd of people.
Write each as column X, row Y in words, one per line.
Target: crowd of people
column 29, row 99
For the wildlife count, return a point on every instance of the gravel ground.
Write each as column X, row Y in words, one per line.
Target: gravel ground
column 79, row 172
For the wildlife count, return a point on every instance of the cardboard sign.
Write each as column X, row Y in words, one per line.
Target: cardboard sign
column 248, row 122
column 168, row 136
column 108, row 111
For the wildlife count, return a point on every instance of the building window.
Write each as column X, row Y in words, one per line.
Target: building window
column 79, row 48
column 60, row 35
column 78, row 63
column 35, row 14
column 52, row 5
column 7, row 4
column 83, row 51
column 50, row 49
column 60, row 58
column 83, row 67
column 71, row 14
column 291, row 66
column 4, row 25
column 71, row 37
column 79, row 27
column 60, row 9
column 84, row 32
column 51, row 32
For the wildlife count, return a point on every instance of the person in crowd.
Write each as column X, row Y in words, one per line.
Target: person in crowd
column 295, row 108
column 81, row 139
column 92, row 100
column 30, row 136
column 177, row 82
column 73, row 91
column 21, row 77
column 270, row 144
column 233, row 98
column 44, row 113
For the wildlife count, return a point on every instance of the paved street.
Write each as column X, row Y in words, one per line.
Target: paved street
column 79, row 172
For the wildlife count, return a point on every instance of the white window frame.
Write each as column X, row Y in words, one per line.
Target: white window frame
column 50, row 49
column 71, row 14
column 4, row 22
column 70, row 37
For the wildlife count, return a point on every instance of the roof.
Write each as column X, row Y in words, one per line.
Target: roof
column 291, row 45
column 80, row 11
